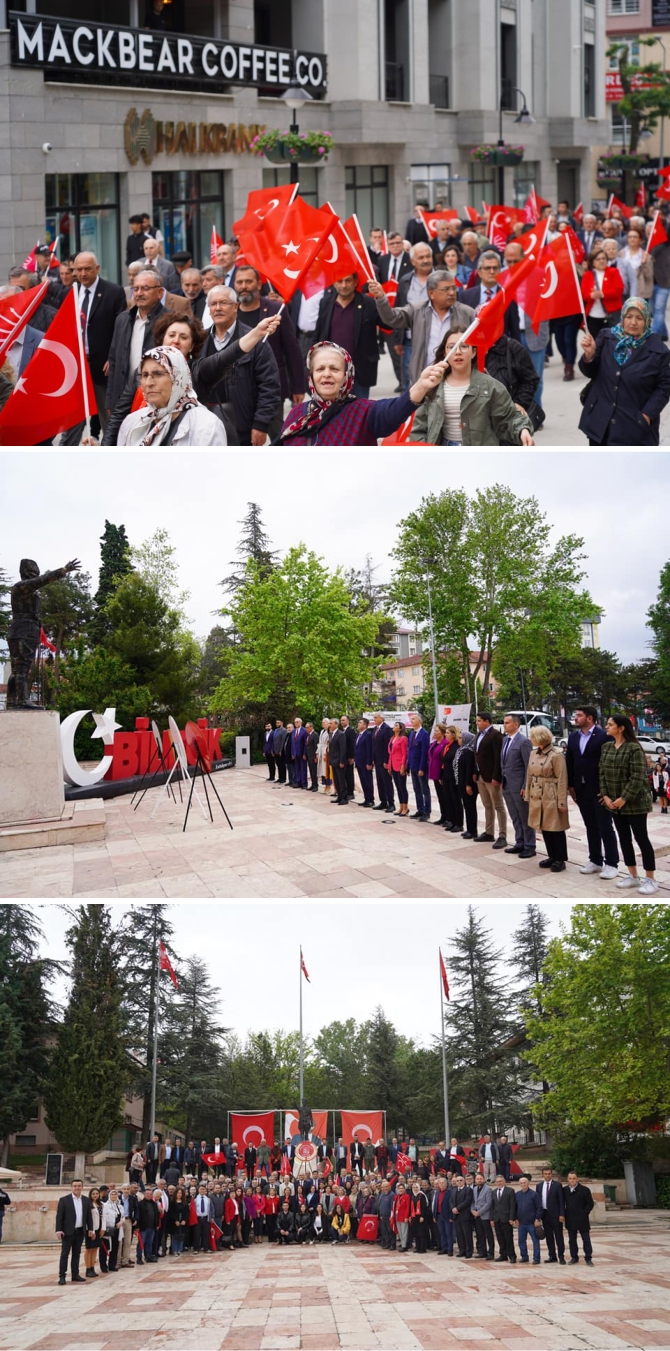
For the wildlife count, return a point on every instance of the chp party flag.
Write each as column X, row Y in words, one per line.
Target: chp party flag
column 364, row 1125
column 577, row 246
column 165, row 963
column 472, row 214
column 659, row 234
column 283, row 246
column 443, row 975
column 561, row 294
column 215, row 243
column 49, row 397
column 15, row 313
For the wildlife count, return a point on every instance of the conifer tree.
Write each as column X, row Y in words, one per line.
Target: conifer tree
column 114, row 564
column 254, row 546
column 191, row 1054
column 24, row 1020
column 142, row 930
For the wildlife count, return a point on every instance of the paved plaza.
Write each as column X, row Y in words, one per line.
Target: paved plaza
column 324, row 1299
column 288, row 843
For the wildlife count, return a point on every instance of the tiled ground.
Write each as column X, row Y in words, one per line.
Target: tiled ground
column 324, row 1299
column 294, row 844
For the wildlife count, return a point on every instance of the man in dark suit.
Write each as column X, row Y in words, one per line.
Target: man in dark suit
column 100, row 302
column 589, row 234
column 250, row 1154
column 252, row 385
column 151, row 1154
column 349, row 319
column 462, row 1213
column 482, row 1210
column 504, row 1215
column 299, row 753
column 505, row 1157
column 357, row 1152
column 268, row 754
column 488, row 776
column 488, row 270
column 24, row 348
column 133, row 334
column 312, row 752
column 191, row 285
column 416, row 231
column 278, row 742
column 381, row 736
column 582, row 759
column 396, row 263
column 363, row 762
column 337, row 757
column 284, row 343
column 550, row 1193
column 350, row 738
column 514, row 757
column 73, row 1221
column 577, row 1205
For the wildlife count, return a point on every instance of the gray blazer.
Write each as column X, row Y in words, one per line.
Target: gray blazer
column 482, row 1197
column 169, row 273
column 516, row 765
column 417, row 318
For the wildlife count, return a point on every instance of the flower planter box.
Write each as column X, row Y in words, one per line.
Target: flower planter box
column 618, row 162
column 282, row 153
column 499, row 158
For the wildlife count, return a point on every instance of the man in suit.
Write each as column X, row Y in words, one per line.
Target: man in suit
column 337, row 757
column 416, row 231
column 514, row 757
column 488, row 270
column 504, row 1215
column 253, row 308
column 73, row 1221
column 133, row 334
column 505, row 1157
column 428, row 321
column 357, row 1152
column 461, row 1210
column 395, row 264
column 153, row 256
column 250, row 1156
column 363, row 762
column 589, row 234
column 252, row 385
column 299, row 753
column 488, row 776
column 441, row 1158
column 312, row 752
column 203, row 1214
column 443, row 1219
column 181, row 261
column 24, row 348
column 100, row 303
column 552, row 1204
column 225, row 258
column 381, row 736
column 582, row 759
column 278, row 742
column 417, row 766
column 443, row 237
column 349, row 319
column 577, row 1205
column 151, row 1155
column 268, row 754
column 350, row 738
column 482, row 1212
column 191, row 1157
column 191, row 285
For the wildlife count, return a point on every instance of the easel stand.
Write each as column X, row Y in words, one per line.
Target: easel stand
column 156, row 754
column 205, row 775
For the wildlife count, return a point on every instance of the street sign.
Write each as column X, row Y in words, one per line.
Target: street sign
column 660, row 13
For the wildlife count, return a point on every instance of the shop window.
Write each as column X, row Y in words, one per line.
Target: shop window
column 182, row 16
column 481, row 184
column 272, row 24
column 187, row 203
column 526, row 176
column 309, row 181
column 430, row 183
column 106, row 11
column 25, row 1141
column 83, row 210
column 367, row 194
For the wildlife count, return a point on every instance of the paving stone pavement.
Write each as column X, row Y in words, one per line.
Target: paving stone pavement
column 358, row 1297
column 288, row 843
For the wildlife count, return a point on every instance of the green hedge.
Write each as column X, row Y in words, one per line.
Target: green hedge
column 663, row 1190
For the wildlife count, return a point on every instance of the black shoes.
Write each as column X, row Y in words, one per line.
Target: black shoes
column 500, row 842
column 416, row 816
column 514, row 849
column 551, row 1259
column 77, row 1278
column 380, row 807
column 544, row 863
column 558, row 867
column 574, row 1261
column 61, row 1280
column 527, row 853
column 485, row 839
column 589, row 1261
column 467, row 835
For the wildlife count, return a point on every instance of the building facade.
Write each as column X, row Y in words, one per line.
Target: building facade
column 106, row 117
column 406, row 679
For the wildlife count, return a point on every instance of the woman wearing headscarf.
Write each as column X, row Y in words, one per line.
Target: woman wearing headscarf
column 629, row 370
column 334, row 416
column 419, row 1217
column 464, row 770
column 172, row 414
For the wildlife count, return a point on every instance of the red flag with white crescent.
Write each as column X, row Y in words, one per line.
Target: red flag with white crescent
column 560, row 294
column 165, row 963
column 49, row 397
column 364, row 1125
column 249, row 1128
column 15, row 313
column 303, row 968
column 337, row 258
column 284, row 244
column 215, row 243
column 443, row 975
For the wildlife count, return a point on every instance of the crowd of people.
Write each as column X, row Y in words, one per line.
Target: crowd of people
column 244, row 356
column 453, row 1200
column 524, row 783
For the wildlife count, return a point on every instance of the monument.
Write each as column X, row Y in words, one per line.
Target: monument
column 23, row 637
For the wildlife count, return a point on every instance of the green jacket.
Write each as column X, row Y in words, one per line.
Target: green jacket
column 488, row 415
column 623, row 773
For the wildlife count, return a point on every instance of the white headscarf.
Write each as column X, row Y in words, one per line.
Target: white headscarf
column 154, row 424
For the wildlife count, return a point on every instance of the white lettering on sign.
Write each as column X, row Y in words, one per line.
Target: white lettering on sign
column 228, row 62
column 271, row 67
column 185, row 56
column 300, row 65
column 165, row 61
column 30, row 44
column 244, row 57
column 208, row 69
column 127, row 54
column 104, row 43
column 59, row 47
column 84, row 58
column 146, row 44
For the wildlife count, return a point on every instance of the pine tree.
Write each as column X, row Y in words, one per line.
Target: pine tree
column 254, row 546
column 190, row 1054
column 142, row 929
column 530, row 946
column 382, row 1071
column 114, row 564
column 89, row 1070
column 25, row 1019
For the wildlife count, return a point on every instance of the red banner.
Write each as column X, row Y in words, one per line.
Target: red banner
column 403, row 1163
column 364, row 1125
column 250, row 1128
column 291, row 1126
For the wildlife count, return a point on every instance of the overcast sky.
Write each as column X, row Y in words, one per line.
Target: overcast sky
column 341, row 504
column 357, row 955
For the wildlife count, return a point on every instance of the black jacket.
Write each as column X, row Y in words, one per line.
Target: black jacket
column 351, row 737
column 584, row 770
column 43, row 316
column 619, row 395
column 135, row 248
column 65, row 1215
column 555, row 1200
column 205, row 373
column 366, row 348
column 119, row 352
column 577, row 1206
column 465, row 768
column 311, row 750
column 380, row 743
column 198, row 305
column 337, row 752
column 509, row 362
column 385, row 266
column 504, row 1209
column 463, row 1199
column 108, row 302
column 252, row 385
column 285, row 1222
column 147, row 1215
column 416, row 232
column 172, row 1174
column 472, row 296
column 285, row 346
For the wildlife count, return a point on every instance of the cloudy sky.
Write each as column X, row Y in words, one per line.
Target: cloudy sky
column 385, row 953
column 341, row 504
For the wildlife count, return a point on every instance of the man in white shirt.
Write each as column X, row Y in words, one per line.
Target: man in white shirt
column 203, row 1211
column 73, row 1219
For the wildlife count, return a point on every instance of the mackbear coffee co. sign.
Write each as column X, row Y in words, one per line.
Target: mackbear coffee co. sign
column 105, row 54
column 145, row 137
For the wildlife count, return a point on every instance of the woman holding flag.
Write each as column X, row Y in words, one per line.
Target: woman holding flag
column 629, row 370
column 468, row 407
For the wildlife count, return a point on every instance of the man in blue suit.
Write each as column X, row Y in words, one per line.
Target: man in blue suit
column 299, row 753
column 381, row 736
column 582, row 759
column 552, row 1205
column 363, row 762
column 417, row 764
column 23, row 348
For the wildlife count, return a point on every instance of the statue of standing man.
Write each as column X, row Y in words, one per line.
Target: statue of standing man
column 24, row 631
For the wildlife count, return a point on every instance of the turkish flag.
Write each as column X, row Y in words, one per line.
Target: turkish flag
column 659, row 234
column 560, row 294
column 46, row 642
column 292, row 1127
column 368, row 1229
column 262, row 203
column 15, row 313
column 664, row 191
column 366, row 1125
column 641, row 198
column 443, row 975
column 385, row 244
column 337, row 258
column 390, row 287
column 285, row 243
column 214, row 1234
column 577, row 246
column 578, row 213
column 285, row 1165
column 249, row 1128
column 501, row 222
column 214, row 1160
column 403, row 436
column 356, row 238
column 165, row 963
column 626, row 211
column 216, row 242
column 49, row 397
column 531, row 208
column 431, row 219
column 403, row 1163
column 488, row 327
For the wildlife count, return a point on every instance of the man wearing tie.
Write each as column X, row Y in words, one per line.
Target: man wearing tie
column 340, row 1157
column 392, row 266
column 474, row 296
column 553, row 1219
column 514, row 759
column 311, row 752
column 268, row 753
column 589, row 234
column 381, row 736
column 363, row 760
column 203, row 1212
column 100, row 302
column 73, row 1220
column 482, row 1210
column 504, row 1215
column 298, row 753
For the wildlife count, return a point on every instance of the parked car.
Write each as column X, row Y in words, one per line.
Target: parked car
column 653, row 745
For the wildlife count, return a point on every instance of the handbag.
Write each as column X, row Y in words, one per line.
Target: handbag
column 539, row 1229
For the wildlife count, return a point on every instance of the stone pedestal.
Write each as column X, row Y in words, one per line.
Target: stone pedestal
column 31, row 767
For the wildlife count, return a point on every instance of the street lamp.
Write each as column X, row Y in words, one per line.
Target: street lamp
column 526, row 118
column 662, row 44
column 427, row 564
column 295, row 98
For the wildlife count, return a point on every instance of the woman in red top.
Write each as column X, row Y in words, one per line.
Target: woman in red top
column 397, row 764
column 602, row 289
column 400, row 1216
column 271, row 1208
column 231, row 1213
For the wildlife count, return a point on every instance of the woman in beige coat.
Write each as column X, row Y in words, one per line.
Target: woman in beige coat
column 546, row 793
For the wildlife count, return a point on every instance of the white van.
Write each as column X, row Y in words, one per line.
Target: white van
column 534, row 717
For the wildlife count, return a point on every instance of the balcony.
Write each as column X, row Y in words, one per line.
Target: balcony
column 395, row 82
column 438, row 86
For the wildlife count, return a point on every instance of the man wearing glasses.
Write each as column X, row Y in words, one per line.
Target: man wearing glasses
column 133, row 332
column 252, row 385
column 476, row 296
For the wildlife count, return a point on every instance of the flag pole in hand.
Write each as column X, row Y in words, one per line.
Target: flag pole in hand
column 444, row 988
column 82, row 366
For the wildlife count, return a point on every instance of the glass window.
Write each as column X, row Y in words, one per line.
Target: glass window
column 309, row 181
column 82, row 209
column 186, row 206
column 416, row 689
column 104, row 11
column 526, row 176
column 481, row 183
column 367, row 195
column 623, row 7
column 430, row 182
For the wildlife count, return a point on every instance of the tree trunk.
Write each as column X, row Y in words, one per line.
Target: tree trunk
column 80, row 1164
column 4, row 1155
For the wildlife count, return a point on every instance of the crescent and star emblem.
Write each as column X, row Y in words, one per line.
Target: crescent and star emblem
column 552, row 280
column 70, row 369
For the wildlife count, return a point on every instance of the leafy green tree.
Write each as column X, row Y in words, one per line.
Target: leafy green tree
column 658, row 620
column 142, row 929
column 25, row 1020
column 98, row 679
column 188, row 1088
column 114, row 564
column 646, row 90
column 156, row 562
column 640, row 678
column 89, row 1070
column 339, row 1052
column 603, row 1041
column 67, row 611
column 301, row 645
column 146, row 634
column 254, row 547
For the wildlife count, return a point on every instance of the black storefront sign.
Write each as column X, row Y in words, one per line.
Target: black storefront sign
column 106, row 54
column 660, row 13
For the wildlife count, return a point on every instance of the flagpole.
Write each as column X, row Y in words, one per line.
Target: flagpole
column 447, row 1132
column 25, row 317
column 279, row 311
column 82, row 362
column 158, row 982
column 653, row 227
column 574, row 270
column 301, row 1056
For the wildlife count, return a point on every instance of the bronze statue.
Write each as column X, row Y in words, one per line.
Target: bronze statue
column 24, row 631
column 305, row 1120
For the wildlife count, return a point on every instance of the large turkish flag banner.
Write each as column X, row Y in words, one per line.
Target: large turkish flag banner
column 285, row 245
column 49, row 397
column 252, row 1127
column 365, row 1125
column 560, row 295
column 292, row 1126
